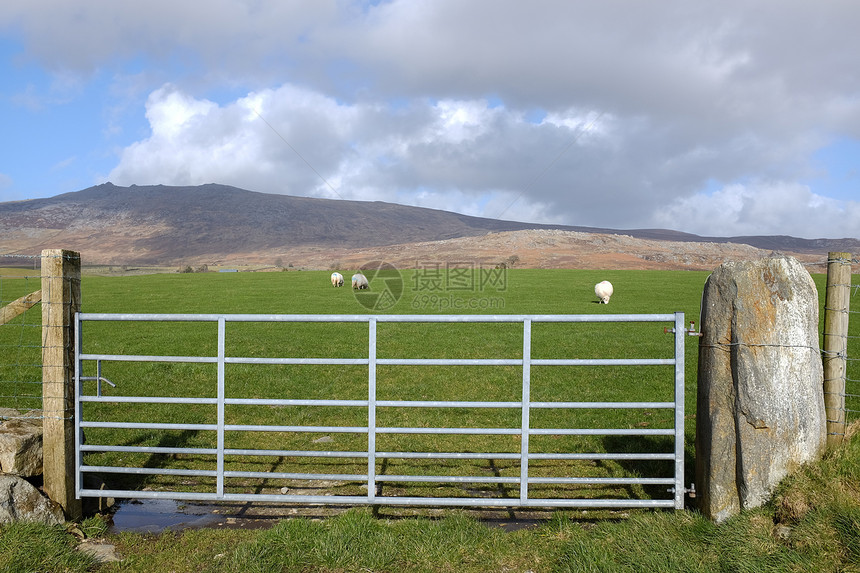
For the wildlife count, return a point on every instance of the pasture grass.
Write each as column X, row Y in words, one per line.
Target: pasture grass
column 309, row 292
column 26, row 547
column 811, row 524
column 20, row 343
column 514, row 291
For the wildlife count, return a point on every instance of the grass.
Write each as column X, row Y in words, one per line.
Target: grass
column 514, row 292
column 522, row 291
column 33, row 547
column 811, row 524
column 20, row 344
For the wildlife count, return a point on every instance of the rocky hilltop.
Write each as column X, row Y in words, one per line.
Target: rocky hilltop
column 546, row 248
column 222, row 225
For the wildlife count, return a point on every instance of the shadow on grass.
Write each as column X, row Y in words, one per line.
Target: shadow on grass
column 136, row 482
column 650, row 468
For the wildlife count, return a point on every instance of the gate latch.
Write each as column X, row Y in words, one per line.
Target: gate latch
column 690, row 331
column 98, row 378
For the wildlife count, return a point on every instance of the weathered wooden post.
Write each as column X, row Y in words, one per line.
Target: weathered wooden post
column 835, row 343
column 61, row 296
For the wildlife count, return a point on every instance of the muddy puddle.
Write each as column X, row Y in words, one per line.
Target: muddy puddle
column 157, row 515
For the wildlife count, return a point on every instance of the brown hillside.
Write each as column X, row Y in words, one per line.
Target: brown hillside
column 222, row 225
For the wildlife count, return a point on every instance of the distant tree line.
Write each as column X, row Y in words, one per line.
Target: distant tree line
column 190, row 269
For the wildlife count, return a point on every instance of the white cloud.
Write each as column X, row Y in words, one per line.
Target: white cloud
column 269, row 141
column 291, row 140
column 470, row 157
column 434, row 103
column 762, row 208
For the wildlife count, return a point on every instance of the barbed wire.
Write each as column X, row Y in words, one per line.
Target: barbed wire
column 842, row 260
column 851, row 363
column 723, row 345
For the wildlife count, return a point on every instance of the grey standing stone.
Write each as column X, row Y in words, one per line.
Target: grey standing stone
column 20, row 501
column 760, row 403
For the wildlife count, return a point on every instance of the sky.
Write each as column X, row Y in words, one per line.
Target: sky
column 715, row 118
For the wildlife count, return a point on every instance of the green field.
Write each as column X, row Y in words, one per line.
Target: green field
column 417, row 292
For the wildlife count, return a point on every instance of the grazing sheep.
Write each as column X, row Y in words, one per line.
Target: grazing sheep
column 603, row 290
column 359, row 281
column 336, row 279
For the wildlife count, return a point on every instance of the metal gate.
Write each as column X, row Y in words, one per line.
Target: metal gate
column 519, row 485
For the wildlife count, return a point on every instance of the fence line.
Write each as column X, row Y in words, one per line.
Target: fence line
column 20, row 337
column 21, row 341
column 839, row 350
column 50, row 396
column 852, row 374
column 28, row 289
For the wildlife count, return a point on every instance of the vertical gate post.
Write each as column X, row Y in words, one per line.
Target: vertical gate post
column 371, row 409
column 222, row 396
column 526, row 410
column 680, row 367
column 61, row 296
column 834, row 355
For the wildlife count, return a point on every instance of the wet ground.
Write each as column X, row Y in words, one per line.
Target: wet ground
column 157, row 515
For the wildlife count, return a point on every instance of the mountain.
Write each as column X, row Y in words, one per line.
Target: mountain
column 163, row 225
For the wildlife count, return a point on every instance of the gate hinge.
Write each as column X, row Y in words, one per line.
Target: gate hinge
column 689, row 331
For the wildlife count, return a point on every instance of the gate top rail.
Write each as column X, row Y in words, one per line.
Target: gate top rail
column 381, row 317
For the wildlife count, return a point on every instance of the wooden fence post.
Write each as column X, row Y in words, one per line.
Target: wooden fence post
column 61, row 295
column 835, row 350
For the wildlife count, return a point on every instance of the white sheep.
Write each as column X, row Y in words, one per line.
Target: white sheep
column 603, row 290
column 359, row 281
column 336, row 280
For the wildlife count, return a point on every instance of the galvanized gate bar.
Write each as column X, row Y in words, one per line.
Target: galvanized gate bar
column 679, row 331
column 371, row 410
column 372, row 361
column 526, row 425
column 446, row 318
column 222, row 330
